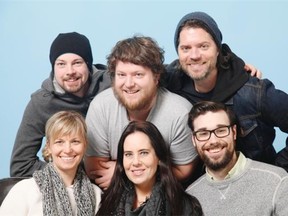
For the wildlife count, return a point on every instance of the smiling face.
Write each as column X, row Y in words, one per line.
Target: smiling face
column 67, row 152
column 139, row 160
column 135, row 86
column 71, row 73
column 217, row 153
column 197, row 53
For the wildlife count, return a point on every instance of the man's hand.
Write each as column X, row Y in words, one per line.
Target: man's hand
column 100, row 170
column 253, row 70
column 104, row 173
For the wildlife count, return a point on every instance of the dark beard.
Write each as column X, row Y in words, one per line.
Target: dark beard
column 216, row 166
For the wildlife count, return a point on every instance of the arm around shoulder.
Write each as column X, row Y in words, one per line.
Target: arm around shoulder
column 184, row 172
column 92, row 164
column 100, row 170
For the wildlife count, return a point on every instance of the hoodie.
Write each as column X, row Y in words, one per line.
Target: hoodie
column 229, row 80
column 43, row 104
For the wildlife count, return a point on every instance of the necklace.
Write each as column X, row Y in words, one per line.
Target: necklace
column 141, row 203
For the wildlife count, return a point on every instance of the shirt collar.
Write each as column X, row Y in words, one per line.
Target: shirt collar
column 236, row 169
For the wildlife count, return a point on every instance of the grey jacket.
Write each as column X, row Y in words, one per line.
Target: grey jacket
column 43, row 103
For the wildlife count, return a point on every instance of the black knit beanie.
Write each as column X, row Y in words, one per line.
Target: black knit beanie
column 214, row 31
column 72, row 42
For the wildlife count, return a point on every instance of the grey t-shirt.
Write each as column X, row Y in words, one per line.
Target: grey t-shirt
column 107, row 118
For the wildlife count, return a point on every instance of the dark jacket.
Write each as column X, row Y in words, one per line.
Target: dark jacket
column 258, row 105
column 156, row 205
column 42, row 105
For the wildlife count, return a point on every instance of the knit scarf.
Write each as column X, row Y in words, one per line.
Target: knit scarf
column 155, row 205
column 55, row 197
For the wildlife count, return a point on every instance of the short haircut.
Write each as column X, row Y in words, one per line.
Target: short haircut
column 203, row 107
column 64, row 123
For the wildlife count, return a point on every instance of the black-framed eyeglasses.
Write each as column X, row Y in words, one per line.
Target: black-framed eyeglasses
column 220, row 132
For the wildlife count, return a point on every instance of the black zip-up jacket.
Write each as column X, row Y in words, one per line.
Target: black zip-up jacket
column 258, row 105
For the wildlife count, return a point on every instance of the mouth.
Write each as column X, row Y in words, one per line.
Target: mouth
column 130, row 94
column 138, row 172
column 67, row 158
column 72, row 79
column 194, row 63
column 214, row 150
column 196, row 66
column 131, row 91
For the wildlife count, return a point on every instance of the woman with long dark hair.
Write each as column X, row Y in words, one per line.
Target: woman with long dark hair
column 143, row 183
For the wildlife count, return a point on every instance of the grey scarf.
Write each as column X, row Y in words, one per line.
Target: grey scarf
column 155, row 206
column 55, row 196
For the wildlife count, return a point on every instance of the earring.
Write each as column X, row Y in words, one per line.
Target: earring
column 50, row 159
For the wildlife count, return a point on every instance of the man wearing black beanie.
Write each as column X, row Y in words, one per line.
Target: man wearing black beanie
column 71, row 43
column 208, row 70
column 73, row 83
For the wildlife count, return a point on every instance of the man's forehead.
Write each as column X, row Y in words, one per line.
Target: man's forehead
column 210, row 119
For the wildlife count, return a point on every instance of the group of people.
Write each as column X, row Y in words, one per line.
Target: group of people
column 150, row 132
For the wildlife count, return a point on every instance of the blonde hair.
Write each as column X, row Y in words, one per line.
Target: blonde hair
column 61, row 124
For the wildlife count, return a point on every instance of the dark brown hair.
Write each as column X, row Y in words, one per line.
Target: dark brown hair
column 139, row 50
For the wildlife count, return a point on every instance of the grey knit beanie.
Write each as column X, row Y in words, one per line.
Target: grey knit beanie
column 71, row 42
column 214, row 31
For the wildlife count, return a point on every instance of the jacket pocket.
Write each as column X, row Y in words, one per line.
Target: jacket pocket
column 247, row 126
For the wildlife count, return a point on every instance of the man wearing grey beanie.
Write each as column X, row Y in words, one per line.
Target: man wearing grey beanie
column 73, row 83
column 208, row 70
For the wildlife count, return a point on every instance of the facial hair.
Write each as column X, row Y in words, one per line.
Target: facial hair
column 143, row 102
column 216, row 165
column 200, row 77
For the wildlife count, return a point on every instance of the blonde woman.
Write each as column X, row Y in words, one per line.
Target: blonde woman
column 61, row 187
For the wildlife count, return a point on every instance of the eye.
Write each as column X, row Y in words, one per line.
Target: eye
column 78, row 63
column 204, row 46
column 203, row 133
column 222, row 131
column 139, row 75
column 185, row 49
column 58, row 142
column 144, row 153
column 128, row 154
column 76, row 142
column 60, row 64
column 120, row 75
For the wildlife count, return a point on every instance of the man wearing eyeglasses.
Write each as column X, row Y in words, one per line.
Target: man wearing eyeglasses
column 233, row 184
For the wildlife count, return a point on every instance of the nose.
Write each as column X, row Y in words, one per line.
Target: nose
column 213, row 137
column 70, row 69
column 194, row 53
column 67, row 147
column 129, row 81
column 136, row 160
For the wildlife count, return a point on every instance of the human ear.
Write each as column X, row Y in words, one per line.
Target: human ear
column 193, row 140
column 234, row 130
